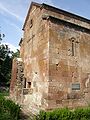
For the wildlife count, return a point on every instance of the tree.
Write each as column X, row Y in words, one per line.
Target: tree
column 16, row 54
column 5, row 64
column 6, row 56
column 1, row 36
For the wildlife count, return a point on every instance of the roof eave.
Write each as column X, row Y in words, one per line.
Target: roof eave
column 52, row 8
column 32, row 3
column 48, row 7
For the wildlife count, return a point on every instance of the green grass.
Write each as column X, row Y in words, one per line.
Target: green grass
column 8, row 109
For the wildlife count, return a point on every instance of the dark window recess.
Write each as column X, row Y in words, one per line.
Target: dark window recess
column 31, row 23
column 76, row 86
column 73, row 52
column 24, row 82
column 29, row 84
column 57, row 66
column 73, row 45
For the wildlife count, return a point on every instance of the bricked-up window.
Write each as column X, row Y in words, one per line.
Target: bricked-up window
column 31, row 23
column 29, row 84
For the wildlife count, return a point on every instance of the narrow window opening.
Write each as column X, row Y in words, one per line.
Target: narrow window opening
column 29, row 84
column 72, row 40
column 73, row 48
column 57, row 66
column 24, row 82
column 31, row 23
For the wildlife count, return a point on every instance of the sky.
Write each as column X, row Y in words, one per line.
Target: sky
column 13, row 13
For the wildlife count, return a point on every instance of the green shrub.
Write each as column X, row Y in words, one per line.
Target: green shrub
column 8, row 109
column 82, row 114
column 65, row 114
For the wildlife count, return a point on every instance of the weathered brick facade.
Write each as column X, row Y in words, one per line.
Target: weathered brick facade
column 55, row 51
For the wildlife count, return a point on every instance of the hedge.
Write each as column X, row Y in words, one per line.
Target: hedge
column 65, row 114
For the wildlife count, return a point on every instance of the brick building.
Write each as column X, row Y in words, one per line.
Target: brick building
column 53, row 70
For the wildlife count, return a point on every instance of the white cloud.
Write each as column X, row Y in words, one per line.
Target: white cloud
column 11, row 46
column 3, row 10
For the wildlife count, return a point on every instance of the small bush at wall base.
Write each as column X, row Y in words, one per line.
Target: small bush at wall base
column 65, row 114
column 8, row 109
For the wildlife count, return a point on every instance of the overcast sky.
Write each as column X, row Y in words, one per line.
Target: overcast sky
column 13, row 12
